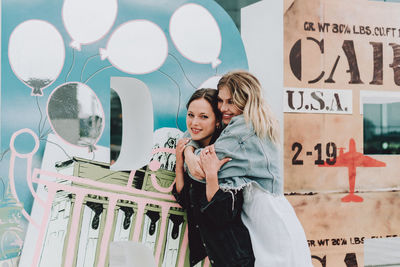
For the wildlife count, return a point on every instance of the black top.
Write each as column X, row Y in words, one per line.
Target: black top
column 215, row 228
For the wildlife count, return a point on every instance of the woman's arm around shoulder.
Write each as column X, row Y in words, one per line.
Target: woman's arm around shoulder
column 193, row 163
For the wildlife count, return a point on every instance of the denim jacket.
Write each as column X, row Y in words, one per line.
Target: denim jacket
column 253, row 159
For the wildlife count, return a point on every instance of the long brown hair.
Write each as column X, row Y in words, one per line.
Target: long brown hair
column 211, row 96
column 247, row 96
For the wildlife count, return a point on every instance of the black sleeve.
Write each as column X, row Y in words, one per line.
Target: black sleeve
column 224, row 207
column 182, row 197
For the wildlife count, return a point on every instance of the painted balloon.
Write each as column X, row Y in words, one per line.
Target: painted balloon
column 36, row 53
column 211, row 82
column 87, row 21
column 137, row 47
column 196, row 34
column 76, row 114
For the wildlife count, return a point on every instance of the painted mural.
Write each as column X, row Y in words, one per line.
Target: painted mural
column 93, row 100
column 70, row 182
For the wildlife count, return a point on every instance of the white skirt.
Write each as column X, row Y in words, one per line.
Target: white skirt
column 277, row 237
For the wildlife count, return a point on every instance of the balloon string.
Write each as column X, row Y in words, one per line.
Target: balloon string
column 91, row 148
column 184, row 74
column 44, row 124
column 41, row 115
column 1, row 178
column 4, row 186
column 91, row 76
column 41, row 127
column 46, row 133
column 179, row 98
column 86, row 62
column 69, row 157
column 72, row 65
column 4, row 153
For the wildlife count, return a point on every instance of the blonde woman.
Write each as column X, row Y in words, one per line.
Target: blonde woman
column 250, row 139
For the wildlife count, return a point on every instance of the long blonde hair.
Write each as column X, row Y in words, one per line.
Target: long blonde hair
column 247, row 96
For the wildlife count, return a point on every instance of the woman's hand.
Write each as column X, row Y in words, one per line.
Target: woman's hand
column 193, row 163
column 211, row 163
column 180, row 147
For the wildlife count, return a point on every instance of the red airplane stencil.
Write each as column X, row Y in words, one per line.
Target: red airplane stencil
column 353, row 159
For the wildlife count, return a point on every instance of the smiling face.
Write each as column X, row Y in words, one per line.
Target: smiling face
column 201, row 121
column 226, row 106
